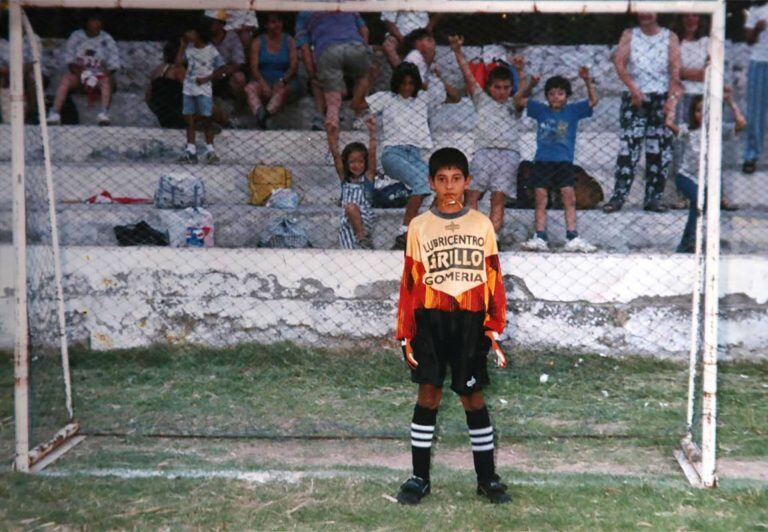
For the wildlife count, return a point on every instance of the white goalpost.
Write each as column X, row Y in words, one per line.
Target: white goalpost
column 697, row 456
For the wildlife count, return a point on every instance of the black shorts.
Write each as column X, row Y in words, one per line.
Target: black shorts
column 456, row 339
column 552, row 175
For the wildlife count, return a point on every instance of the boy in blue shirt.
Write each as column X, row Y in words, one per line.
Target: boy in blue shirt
column 558, row 122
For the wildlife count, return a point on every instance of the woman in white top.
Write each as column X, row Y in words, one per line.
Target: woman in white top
column 647, row 61
column 694, row 50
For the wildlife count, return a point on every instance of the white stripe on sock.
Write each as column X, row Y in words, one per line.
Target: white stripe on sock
column 481, row 439
column 422, row 436
column 480, row 432
column 423, row 428
column 486, row 447
column 422, row 444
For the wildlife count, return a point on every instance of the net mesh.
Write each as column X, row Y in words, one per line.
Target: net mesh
column 142, row 272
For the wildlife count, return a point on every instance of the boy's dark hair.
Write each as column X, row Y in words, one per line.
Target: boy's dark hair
column 695, row 101
column 448, row 158
column 409, row 41
column 203, row 28
column 499, row 73
column 348, row 150
column 404, row 70
column 558, row 82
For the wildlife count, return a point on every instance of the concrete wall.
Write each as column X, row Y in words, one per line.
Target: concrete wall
column 611, row 304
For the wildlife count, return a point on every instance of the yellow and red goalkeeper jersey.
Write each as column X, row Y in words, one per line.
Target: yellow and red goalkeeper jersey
column 451, row 263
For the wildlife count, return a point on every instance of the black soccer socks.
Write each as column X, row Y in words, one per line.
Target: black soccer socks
column 422, row 431
column 481, row 437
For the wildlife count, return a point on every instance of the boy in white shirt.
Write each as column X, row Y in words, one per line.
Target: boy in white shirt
column 203, row 64
column 92, row 59
column 757, row 85
column 401, row 23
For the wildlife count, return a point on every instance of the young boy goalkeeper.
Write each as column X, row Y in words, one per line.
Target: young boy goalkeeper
column 452, row 308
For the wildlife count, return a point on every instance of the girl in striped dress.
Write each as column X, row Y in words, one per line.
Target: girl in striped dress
column 356, row 168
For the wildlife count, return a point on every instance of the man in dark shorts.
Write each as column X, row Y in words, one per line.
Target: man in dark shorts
column 451, row 311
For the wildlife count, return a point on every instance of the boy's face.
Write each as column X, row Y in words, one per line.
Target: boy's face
column 193, row 37
column 93, row 27
column 449, row 184
column 557, row 98
column 407, row 87
column 427, row 47
column 500, row 89
column 356, row 163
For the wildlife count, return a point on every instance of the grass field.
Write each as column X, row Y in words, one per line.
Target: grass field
column 282, row 437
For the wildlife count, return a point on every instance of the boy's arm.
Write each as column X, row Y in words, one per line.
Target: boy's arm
column 591, row 92
column 370, row 122
column 526, row 84
column 456, row 41
column 333, row 147
column 496, row 313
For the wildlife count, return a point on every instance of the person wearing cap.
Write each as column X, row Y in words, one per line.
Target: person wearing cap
column 232, row 81
column 92, row 59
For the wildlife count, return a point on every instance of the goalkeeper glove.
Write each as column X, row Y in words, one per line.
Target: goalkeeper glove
column 405, row 344
column 501, row 359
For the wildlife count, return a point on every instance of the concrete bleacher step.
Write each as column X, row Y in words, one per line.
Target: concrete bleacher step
column 241, row 226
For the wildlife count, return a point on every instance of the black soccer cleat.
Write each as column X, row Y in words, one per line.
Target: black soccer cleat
column 413, row 490
column 495, row 491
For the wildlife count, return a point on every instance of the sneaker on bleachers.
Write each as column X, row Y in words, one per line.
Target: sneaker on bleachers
column 103, row 118
column 54, row 118
column 212, row 158
column 261, row 118
column 318, row 123
column 400, row 241
column 579, row 245
column 535, row 244
column 365, row 243
column 189, row 157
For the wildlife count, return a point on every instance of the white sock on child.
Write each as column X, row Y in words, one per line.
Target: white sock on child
column 403, row 229
column 209, row 147
column 191, row 148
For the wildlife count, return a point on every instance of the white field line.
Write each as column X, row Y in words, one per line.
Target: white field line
column 252, row 477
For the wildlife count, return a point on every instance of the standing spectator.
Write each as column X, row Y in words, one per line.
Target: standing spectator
column 401, row 23
column 757, row 85
column 340, row 49
column 92, row 59
column 495, row 159
column 558, row 123
column 647, row 61
column 230, row 49
column 203, row 64
column 164, row 93
column 405, row 132
column 689, row 136
column 694, row 51
column 274, row 63
column 421, row 50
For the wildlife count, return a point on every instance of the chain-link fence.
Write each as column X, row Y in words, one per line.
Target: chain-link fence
column 181, row 162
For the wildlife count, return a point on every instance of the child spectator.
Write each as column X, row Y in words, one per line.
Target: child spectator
column 401, row 23
column 451, row 310
column 421, row 50
column 405, row 131
column 274, row 64
column 495, row 159
column 230, row 48
column 558, row 123
column 356, row 168
column 92, row 59
column 689, row 137
column 203, row 64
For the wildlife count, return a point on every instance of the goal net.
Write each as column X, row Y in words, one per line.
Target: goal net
column 151, row 238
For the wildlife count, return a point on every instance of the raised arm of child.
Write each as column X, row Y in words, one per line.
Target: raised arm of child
column 591, row 92
column 456, row 42
column 183, row 42
column 526, row 84
column 370, row 123
column 738, row 117
column 333, row 145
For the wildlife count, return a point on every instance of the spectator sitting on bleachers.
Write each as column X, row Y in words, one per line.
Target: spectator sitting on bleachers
column 405, row 132
column 495, row 158
column 203, row 64
column 421, row 50
column 401, row 23
column 164, row 93
column 230, row 48
column 245, row 23
column 274, row 64
column 647, row 61
column 687, row 171
column 558, row 123
column 92, row 59
column 340, row 49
